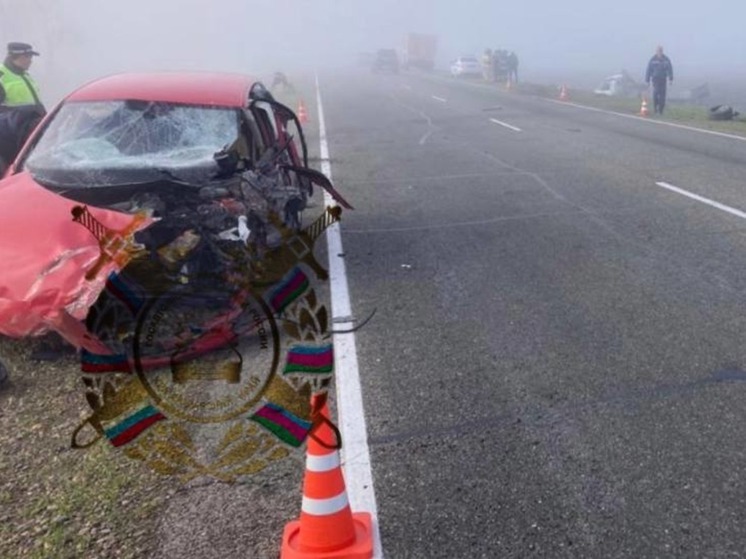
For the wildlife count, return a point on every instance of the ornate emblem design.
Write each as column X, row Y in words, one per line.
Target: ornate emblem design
column 210, row 373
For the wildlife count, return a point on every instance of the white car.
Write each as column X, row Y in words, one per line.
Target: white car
column 466, row 66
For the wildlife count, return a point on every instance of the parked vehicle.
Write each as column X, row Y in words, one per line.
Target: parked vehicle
column 466, row 66
column 420, row 50
column 620, row 85
column 386, row 61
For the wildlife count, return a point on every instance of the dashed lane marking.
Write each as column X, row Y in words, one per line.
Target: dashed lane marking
column 698, row 198
column 505, row 125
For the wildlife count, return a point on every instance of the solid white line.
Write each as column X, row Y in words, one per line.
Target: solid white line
column 355, row 451
column 505, row 124
column 650, row 120
column 441, row 99
column 713, row 203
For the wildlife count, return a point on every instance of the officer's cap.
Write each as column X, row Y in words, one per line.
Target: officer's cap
column 16, row 49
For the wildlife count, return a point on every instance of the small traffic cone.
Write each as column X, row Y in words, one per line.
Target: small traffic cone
column 644, row 107
column 564, row 95
column 327, row 528
column 302, row 114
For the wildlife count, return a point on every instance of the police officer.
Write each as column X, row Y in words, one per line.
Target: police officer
column 659, row 71
column 17, row 87
column 513, row 67
column 20, row 105
column 487, row 65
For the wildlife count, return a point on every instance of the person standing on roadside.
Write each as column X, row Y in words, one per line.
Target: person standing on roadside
column 513, row 67
column 659, row 72
column 498, row 65
column 21, row 108
column 487, row 65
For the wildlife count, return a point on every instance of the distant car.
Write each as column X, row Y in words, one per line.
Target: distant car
column 466, row 66
column 386, row 61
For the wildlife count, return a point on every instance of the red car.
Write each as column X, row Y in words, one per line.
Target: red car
column 133, row 161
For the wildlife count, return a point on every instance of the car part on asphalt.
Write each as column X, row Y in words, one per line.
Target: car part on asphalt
column 722, row 112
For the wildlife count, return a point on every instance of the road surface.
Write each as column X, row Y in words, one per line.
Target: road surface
column 557, row 365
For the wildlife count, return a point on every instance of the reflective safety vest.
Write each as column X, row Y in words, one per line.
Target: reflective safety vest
column 20, row 89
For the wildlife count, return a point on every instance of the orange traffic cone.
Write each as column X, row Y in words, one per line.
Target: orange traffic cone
column 327, row 528
column 564, row 95
column 644, row 107
column 302, row 114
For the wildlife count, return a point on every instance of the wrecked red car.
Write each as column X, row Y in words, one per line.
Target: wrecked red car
column 170, row 165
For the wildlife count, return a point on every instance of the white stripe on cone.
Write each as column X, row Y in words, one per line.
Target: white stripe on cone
column 324, row 463
column 324, row 507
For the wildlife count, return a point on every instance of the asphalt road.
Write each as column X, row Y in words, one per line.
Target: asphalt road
column 556, row 367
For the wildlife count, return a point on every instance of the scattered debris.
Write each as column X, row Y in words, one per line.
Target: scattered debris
column 722, row 112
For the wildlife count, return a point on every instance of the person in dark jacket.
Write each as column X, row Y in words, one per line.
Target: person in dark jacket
column 513, row 67
column 660, row 71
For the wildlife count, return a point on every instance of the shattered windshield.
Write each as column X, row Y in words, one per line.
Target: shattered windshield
column 118, row 142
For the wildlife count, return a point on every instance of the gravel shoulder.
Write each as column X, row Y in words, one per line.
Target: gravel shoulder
column 56, row 501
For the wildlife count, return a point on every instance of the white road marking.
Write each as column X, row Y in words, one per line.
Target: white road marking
column 430, row 128
column 429, row 178
column 651, row 120
column 506, row 125
column 441, row 99
column 355, row 452
column 425, row 136
column 698, row 198
column 476, row 222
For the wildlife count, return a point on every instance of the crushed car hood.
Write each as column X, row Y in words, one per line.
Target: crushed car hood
column 45, row 256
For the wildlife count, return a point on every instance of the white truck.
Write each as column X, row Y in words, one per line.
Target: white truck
column 419, row 51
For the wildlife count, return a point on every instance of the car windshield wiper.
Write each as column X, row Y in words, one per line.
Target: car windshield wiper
column 171, row 175
column 168, row 173
column 87, row 182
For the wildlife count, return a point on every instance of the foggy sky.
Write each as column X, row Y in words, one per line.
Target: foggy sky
column 83, row 39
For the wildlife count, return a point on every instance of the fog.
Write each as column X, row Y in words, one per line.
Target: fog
column 571, row 40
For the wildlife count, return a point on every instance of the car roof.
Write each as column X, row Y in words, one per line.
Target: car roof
column 194, row 88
